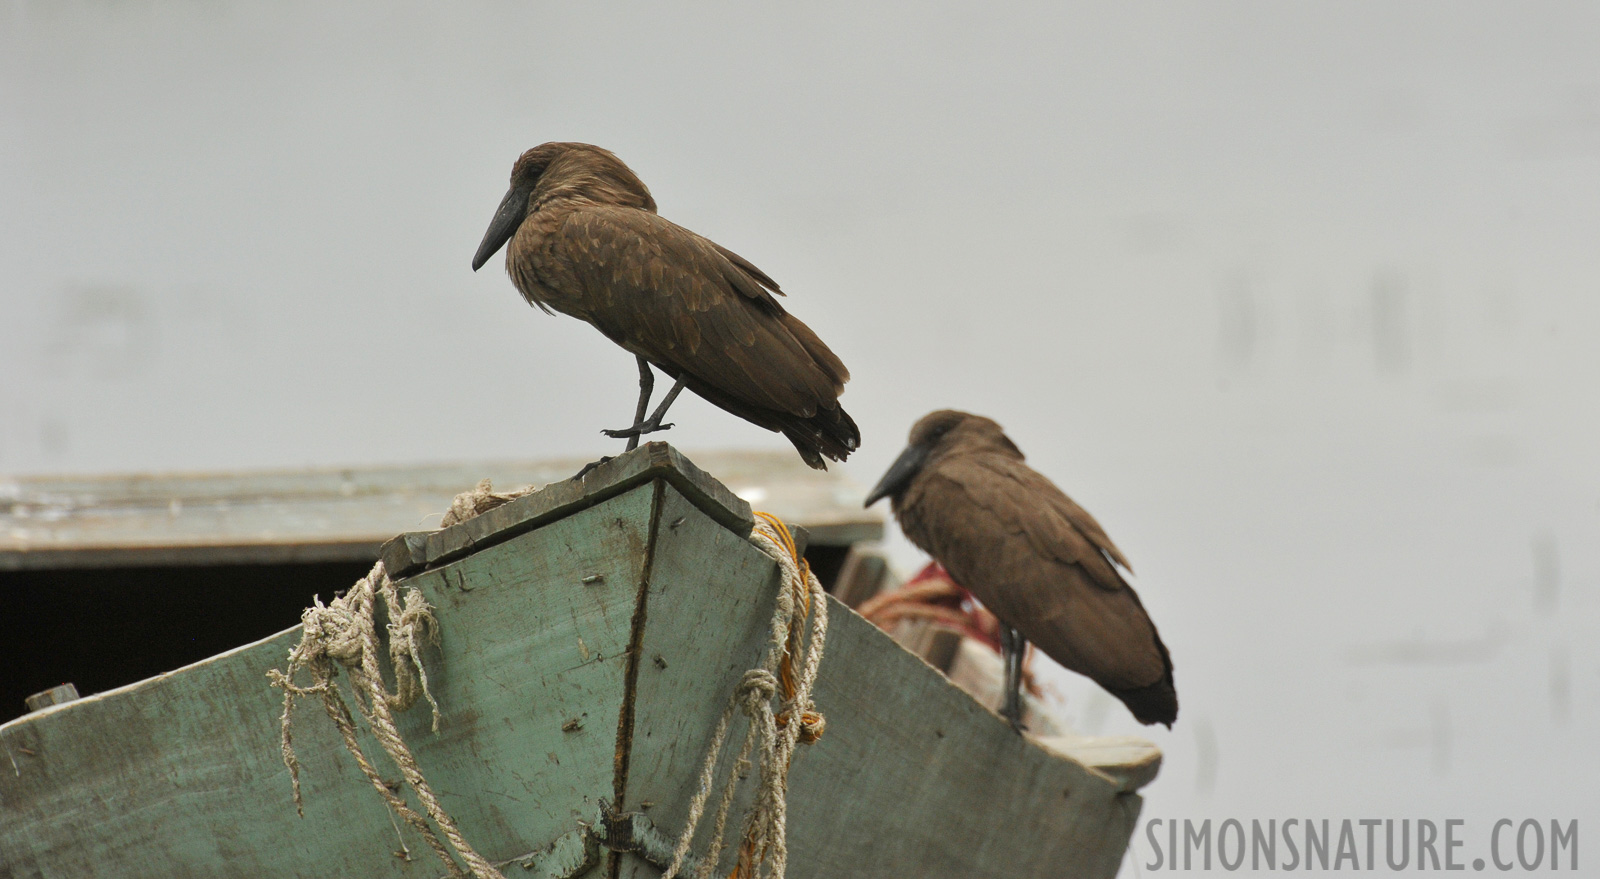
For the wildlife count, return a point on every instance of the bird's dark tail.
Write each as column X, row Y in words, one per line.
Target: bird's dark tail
column 830, row 433
column 1157, row 703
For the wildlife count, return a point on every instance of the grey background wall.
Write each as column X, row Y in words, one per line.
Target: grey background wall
column 1299, row 300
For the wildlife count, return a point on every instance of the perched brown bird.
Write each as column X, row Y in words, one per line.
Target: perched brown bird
column 962, row 493
column 586, row 241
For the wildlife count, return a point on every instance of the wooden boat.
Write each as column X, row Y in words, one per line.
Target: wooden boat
column 110, row 579
column 592, row 632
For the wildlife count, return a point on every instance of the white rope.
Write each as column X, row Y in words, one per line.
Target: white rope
column 479, row 500
column 766, row 821
column 344, row 634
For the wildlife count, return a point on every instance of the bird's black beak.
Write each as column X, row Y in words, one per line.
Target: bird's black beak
column 513, row 208
column 899, row 474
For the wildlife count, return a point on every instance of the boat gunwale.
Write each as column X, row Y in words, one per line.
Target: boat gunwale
column 414, row 552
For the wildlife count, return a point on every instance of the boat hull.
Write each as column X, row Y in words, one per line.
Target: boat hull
column 590, row 641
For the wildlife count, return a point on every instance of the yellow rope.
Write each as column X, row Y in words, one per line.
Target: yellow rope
column 789, row 667
column 811, row 723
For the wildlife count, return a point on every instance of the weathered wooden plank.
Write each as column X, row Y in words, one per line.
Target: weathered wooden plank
column 1130, row 761
column 827, row 504
column 917, row 755
column 180, row 775
column 560, row 686
column 416, row 551
column 706, row 619
column 334, row 514
column 912, row 778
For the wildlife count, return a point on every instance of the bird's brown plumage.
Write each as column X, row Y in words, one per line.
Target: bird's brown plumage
column 591, row 245
column 1031, row 555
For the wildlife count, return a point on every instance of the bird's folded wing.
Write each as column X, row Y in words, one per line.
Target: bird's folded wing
column 1027, row 503
column 749, row 268
column 679, row 299
column 1006, row 548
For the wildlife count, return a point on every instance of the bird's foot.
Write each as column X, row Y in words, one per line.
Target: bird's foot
column 1013, row 711
column 640, row 429
column 1017, row 726
column 587, row 467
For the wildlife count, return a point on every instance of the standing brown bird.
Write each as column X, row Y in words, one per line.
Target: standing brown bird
column 962, row 493
column 586, row 241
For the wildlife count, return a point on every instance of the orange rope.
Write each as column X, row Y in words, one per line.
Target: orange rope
column 810, row 730
column 811, row 723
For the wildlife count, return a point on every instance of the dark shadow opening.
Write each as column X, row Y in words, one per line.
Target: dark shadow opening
column 826, row 561
column 103, row 628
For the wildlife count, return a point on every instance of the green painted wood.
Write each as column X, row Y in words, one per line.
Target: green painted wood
column 560, row 687
column 180, row 775
column 707, row 617
column 912, row 778
column 413, row 552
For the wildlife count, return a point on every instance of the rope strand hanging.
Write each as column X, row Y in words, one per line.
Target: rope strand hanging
column 344, row 635
column 765, row 842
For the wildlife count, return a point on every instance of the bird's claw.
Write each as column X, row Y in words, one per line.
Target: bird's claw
column 1014, row 720
column 636, row 430
column 589, row 466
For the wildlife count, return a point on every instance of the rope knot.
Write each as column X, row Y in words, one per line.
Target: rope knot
column 345, row 634
column 757, row 688
column 333, row 632
column 789, row 667
column 812, row 724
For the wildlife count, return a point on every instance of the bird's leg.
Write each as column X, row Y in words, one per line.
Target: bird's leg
column 661, row 411
column 1013, row 647
column 647, row 386
column 590, row 466
column 654, row 423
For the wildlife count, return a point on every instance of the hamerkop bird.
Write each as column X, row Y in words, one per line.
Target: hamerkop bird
column 962, row 493
column 586, row 241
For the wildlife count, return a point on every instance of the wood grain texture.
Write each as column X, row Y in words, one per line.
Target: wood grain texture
column 410, row 553
column 709, row 610
column 912, row 778
column 552, row 668
column 180, row 775
column 1130, row 761
column 343, row 514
